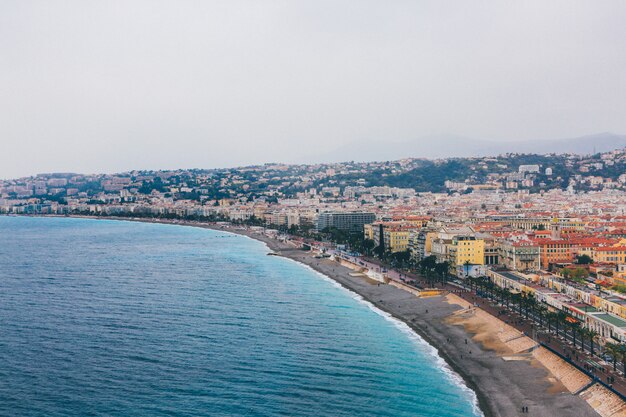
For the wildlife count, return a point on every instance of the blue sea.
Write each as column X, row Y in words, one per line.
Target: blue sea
column 111, row 318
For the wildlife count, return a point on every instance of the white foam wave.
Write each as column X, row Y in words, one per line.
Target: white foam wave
column 426, row 347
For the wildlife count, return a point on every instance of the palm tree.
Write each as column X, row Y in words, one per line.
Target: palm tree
column 614, row 350
column 489, row 286
column 583, row 335
column 508, row 296
column 529, row 302
column 549, row 318
column 591, row 334
column 621, row 349
column 480, row 286
column 467, row 265
column 501, row 294
column 517, row 298
column 574, row 328
column 560, row 319
column 554, row 318
column 473, row 283
column 541, row 311
column 442, row 268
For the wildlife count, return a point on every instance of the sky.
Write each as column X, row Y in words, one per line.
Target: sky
column 110, row 86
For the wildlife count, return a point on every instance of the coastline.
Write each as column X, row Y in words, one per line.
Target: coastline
column 501, row 387
column 413, row 334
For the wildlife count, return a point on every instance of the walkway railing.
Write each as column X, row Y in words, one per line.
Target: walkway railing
column 583, row 370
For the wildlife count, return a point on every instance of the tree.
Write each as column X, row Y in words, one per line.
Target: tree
column 622, row 351
column 467, row 265
column 508, row 296
column 517, row 298
column 560, row 320
column 368, row 245
column 584, row 260
column 442, row 269
column 549, row 319
column 576, row 274
column 574, row 329
column 541, row 312
column 401, row 258
column 591, row 334
column 428, row 263
column 529, row 303
column 614, row 350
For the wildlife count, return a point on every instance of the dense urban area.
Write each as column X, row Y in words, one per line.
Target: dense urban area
column 545, row 233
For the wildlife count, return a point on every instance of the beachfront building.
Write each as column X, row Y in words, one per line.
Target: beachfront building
column 420, row 243
column 391, row 236
column 467, row 250
column 347, row 221
column 396, row 239
column 467, row 256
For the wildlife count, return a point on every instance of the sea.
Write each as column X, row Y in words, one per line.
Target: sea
column 116, row 318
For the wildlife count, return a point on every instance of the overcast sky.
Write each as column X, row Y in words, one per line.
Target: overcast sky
column 107, row 86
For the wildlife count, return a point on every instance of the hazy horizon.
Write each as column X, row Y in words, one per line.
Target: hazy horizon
column 109, row 87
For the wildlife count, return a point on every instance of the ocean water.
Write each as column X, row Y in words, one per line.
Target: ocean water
column 132, row 319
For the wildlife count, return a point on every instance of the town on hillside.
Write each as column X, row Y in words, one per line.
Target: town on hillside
column 550, row 227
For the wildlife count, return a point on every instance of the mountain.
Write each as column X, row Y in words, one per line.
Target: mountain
column 442, row 146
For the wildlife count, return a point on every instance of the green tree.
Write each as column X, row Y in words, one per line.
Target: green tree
column 614, row 350
column 442, row 269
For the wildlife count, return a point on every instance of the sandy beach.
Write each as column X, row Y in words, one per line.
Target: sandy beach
column 499, row 365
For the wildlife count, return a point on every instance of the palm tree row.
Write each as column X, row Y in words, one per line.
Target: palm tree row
column 557, row 322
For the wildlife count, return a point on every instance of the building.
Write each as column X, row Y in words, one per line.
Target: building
column 467, row 250
column 396, row 239
column 520, row 256
column 420, row 244
column 348, row 221
column 615, row 255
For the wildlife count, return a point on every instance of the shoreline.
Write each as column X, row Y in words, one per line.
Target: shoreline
column 412, row 333
column 500, row 387
column 450, row 369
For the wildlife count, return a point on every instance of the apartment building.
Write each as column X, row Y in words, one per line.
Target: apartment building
column 348, row 221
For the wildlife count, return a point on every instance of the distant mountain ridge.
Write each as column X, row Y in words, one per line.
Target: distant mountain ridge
column 446, row 146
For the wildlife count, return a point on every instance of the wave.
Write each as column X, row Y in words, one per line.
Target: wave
column 424, row 346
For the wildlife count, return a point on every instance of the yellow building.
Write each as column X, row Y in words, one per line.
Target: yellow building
column 391, row 236
column 614, row 255
column 428, row 242
column 396, row 239
column 467, row 250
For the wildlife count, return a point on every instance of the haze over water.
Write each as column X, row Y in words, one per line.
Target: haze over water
column 120, row 318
